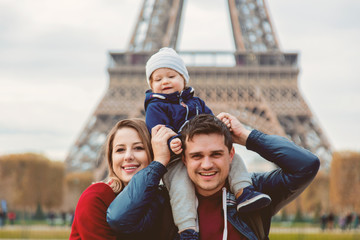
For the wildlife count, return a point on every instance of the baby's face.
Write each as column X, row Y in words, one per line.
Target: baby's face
column 166, row 80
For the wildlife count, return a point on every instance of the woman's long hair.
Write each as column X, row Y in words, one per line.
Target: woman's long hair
column 140, row 127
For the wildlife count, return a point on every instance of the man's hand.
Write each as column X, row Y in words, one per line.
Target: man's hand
column 175, row 145
column 159, row 137
column 238, row 131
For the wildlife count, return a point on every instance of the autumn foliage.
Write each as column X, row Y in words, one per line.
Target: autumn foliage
column 75, row 184
column 335, row 191
column 316, row 197
column 29, row 179
column 345, row 181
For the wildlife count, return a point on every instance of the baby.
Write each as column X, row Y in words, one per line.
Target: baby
column 172, row 103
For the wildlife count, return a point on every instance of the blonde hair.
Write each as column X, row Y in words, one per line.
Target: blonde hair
column 140, row 127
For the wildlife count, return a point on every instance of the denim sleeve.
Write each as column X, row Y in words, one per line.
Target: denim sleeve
column 297, row 168
column 135, row 208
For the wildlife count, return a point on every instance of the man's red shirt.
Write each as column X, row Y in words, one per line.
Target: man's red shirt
column 211, row 219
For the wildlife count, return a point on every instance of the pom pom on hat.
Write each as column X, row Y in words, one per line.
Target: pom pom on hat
column 166, row 58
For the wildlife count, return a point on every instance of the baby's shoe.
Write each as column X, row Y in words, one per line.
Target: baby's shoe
column 189, row 234
column 251, row 200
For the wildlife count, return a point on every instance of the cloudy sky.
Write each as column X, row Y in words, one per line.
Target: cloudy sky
column 54, row 56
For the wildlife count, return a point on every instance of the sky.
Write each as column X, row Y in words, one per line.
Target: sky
column 54, row 58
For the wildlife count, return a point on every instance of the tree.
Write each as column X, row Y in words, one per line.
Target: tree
column 55, row 176
column 39, row 214
column 284, row 217
column 75, row 184
column 316, row 196
column 345, row 181
column 299, row 215
column 29, row 179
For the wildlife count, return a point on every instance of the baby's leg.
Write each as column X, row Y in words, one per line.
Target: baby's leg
column 247, row 198
column 182, row 196
column 239, row 177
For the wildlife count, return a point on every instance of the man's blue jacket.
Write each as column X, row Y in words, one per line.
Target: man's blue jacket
column 142, row 205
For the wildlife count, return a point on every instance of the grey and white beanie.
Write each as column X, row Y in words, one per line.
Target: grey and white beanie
column 166, row 58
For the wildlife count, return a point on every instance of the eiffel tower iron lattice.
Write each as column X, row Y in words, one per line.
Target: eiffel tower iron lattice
column 260, row 87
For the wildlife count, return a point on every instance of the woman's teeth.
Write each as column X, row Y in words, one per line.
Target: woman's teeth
column 127, row 168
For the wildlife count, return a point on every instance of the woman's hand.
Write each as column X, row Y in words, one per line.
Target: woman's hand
column 159, row 137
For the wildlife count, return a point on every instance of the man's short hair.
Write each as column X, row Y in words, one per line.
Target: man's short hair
column 205, row 124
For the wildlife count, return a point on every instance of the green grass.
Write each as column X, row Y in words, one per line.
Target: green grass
column 315, row 236
column 28, row 233
column 64, row 232
column 294, row 224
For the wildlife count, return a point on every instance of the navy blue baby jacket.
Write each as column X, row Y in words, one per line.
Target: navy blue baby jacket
column 173, row 110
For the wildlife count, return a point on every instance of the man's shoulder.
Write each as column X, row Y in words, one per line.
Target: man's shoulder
column 166, row 224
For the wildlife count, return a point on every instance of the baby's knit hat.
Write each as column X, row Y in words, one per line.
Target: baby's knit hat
column 166, row 58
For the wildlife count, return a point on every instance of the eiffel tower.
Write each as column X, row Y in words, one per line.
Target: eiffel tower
column 260, row 88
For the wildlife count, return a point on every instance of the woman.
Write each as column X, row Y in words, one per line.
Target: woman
column 128, row 150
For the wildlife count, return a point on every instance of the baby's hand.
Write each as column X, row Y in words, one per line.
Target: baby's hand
column 238, row 131
column 175, row 145
column 224, row 118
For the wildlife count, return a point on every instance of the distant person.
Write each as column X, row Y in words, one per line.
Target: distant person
column 323, row 221
column 172, row 103
column 356, row 220
column 3, row 212
column 51, row 217
column 2, row 217
column 63, row 217
column 349, row 220
column 331, row 220
column 342, row 222
column 71, row 217
column 131, row 161
column 12, row 217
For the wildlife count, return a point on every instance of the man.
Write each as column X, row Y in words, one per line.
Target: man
column 208, row 153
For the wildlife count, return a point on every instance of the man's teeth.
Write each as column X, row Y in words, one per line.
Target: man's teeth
column 208, row 174
column 127, row 168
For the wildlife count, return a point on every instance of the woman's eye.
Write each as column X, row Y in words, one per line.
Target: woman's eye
column 139, row 148
column 120, row 150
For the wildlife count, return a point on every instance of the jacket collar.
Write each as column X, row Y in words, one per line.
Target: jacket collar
column 175, row 97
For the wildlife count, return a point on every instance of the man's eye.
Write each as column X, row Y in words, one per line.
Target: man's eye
column 196, row 156
column 217, row 154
